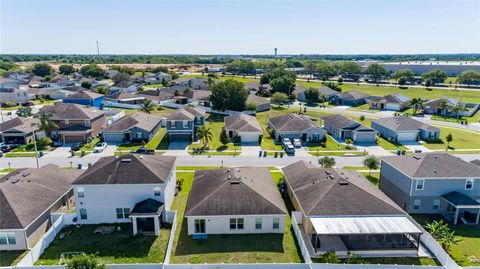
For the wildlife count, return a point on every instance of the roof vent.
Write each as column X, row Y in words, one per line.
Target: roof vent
column 416, row 157
column 229, row 177
column 140, row 157
column 343, row 182
column 234, row 182
column 238, row 170
column 126, row 160
column 331, row 176
column 26, row 174
column 15, row 181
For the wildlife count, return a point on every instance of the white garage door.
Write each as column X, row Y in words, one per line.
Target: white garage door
column 404, row 137
column 394, row 107
column 249, row 137
column 113, row 137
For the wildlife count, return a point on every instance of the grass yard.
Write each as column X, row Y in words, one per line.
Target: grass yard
column 117, row 247
column 91, row 145
column 248, row 248
column 373, row 177
column 158, row 142
column 31, row 148
column 330, row 144
column 336, row 153
column 462, row 139
column 389, row 145
column 215, row 122
column 19, row 154
column 11, row 257
column 198, row 167
column 390, row 260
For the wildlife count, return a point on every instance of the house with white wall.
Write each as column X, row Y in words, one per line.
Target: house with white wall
column 240, row 200
column 127, row 189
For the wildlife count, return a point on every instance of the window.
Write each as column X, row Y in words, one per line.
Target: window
column 436, row 204
column 416, row 204
column 67, row 122
column 420, row 183
column 172, row 124
column 185, row 124
column 199, row 226
column 236, row 224
column 87, row 123
column 123, row 213
column 7, row 239
column 199, row 120
column 139, row 135
column 258, row 223
column 80, row 192
column 276, row 223
column 469, row 184
column 83, row 213
column 451, row 208
column 157, row 191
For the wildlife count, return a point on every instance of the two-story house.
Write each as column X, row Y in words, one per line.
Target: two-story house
column 75, row 122
column 127, row 189
column 86, row 98
column 182, row 123
column 433, row 183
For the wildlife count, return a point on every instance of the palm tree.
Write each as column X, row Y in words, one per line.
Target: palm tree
column 46, row 123
column 457, row 109
column 416, row 104
column 205, row 134
column 441, row 105
column 147, row 106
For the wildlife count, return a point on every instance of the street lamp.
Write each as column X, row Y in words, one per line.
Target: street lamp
column 35, row 143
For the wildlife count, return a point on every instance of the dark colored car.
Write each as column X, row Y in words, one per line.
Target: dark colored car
column 28, row 103
column 6, row 147
column 143, row 150
column 76, row 146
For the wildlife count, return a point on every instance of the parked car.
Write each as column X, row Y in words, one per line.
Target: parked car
column 143, row 150
column 99, row 147
column 289, row 148
column 4, row 147
column 57, row 143
column 297, row 143
column 28, row 103
column 76, row 146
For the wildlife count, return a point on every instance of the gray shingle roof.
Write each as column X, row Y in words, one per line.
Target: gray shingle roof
column 252, row 98
column 128, row 169
column 242, row 123
column 396, row 98
column 433, row 165
column 27, row 192
column 186, row 113
column 457, row 199
column 353, row 95
column 293, row 123
column 234, row 191
column 335, row 192
column 476, row 162
column 144, row 121
column 61, row 111
column 20, row 124
column 341, row 122
column 402, row 123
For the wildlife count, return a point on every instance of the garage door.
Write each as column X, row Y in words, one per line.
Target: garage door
column 394, row 107
column 180, row 137
column 74, row 138
column 364, row 137
column 404, row 137
column 113, row 137
column 249, row 137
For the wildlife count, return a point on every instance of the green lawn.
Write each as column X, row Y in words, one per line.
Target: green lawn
column 198, row 167
column 7, row 170
column 336, row 153
column 390, row 145
column 247, row 248
column 469, row 240
column 474, row 118
column 19, row 154
column 117, row 247
column 223, row 78
column 30, row 147
column 462, row 139
column 91, row 145
column 158, row 142
column 330, row 144
column 373, row 177
column 355, row 168
column 215, row 122
column 11, row 257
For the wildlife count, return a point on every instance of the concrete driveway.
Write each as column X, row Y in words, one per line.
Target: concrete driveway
column 416, row 146
column 63, row 151
column 179, row 145
column 373, row 149
column 250, row 149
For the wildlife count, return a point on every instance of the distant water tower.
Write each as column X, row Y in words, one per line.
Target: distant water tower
column 275, row 52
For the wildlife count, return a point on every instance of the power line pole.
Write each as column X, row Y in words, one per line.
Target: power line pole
column 98, row 51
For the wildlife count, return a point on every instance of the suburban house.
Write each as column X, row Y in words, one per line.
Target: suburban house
column 158, row 78
column 243, row 126
column 75, row 122
column 9, row 83
column 263, row 104
column 155, row 96
column 123, row 86
column 86, row 98
column 48, row 93
column 394, row 102
column 350, row 98
column 199, row 98
column 342, row 128
column 433, row 183
column 125, row 100
column 182, row 123
column 194, row 83
column 38, row 82
column 323, row 91
column 255, row 87
column 446, row 107
column 242, row 200
column 135, row 127
column 405, row 129
column 19, row 130
column 15, row 96
column 341, row 210
column 129, row 188
column 28, row 197
column 295, row 126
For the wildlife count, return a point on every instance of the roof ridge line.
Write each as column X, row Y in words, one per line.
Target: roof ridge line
column 207, row 197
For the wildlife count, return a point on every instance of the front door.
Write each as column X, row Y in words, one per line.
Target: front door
column 128, row 137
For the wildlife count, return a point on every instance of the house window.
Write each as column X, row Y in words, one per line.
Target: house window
column 450, row 208
column 67, row 122
column 185, row 124
column 199, row 120
column 420, row 184
column 157, row 191
column 83, row 213
column 199, row 226
column 139, row 135
column 87, row 123
column 236, row 224
column 469, row 184
column 436, row 204
column 258, row 223
column 276, row 223
column 416, row 204
column 123, row 213
column 7, row 239
column 80, row 192
column 172, row 125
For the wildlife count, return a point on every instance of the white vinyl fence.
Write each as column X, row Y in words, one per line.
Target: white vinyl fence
column 172, row 236
column 170, row 104
column 239, row 266
column 296, row 218
column 122, row 105
column 370, row 266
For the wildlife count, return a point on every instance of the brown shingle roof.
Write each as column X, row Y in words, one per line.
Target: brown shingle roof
column 242, row 123
column 186, row 113
column 20, row 124
column 144, row 121
column 402, row 123
column 292, row 123
column 61, row 111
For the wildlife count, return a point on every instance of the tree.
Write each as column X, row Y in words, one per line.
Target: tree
column 459, row 107
column 251, row 106
column 66, row 69
column 205, row 134
column 435, row 76
column 46, row 123
column 44, row 142
column 326, row 162
column 349, row 142
column 449, row 138
column 402, row 81
column 469, row 77
column 121, row 77
column 312, row 95
column 148, row 106
column 310, row 67
column 330, row 257
column 277, row 72
column 86, row 84
column 279, row 98
column 376, row 71
column 82, row 261
column 283, row 84
column 407, row 74
column 229, row 95
column 442, row 233
column 24, row 112
column 441, row 105
column 224, row 139
column 93, row 70
column 334, row 86
column 102, row 90
column 416, row 104
column 428, row 83
column 42, row 69
column 350, row 70
column 372, row 163
column 326, row 70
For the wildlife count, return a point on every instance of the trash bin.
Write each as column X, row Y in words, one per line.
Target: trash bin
column 40, row 154
column 276, row 154
column 399, row 152
column 89, row 165
column 265, row 154
column 281, row 154
column 260, row 153
column 79, row 166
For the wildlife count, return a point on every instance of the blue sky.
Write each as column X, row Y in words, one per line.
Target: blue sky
column 240, row 27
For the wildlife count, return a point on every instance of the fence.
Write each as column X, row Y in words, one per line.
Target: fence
column 370, row 266
column 122, row 105
column 172, row 236
column 33, row 255
column 169, row 104
column 135, row 266
column 239, row 266
column 298, row 235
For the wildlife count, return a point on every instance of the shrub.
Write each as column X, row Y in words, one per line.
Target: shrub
column 44, row 143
